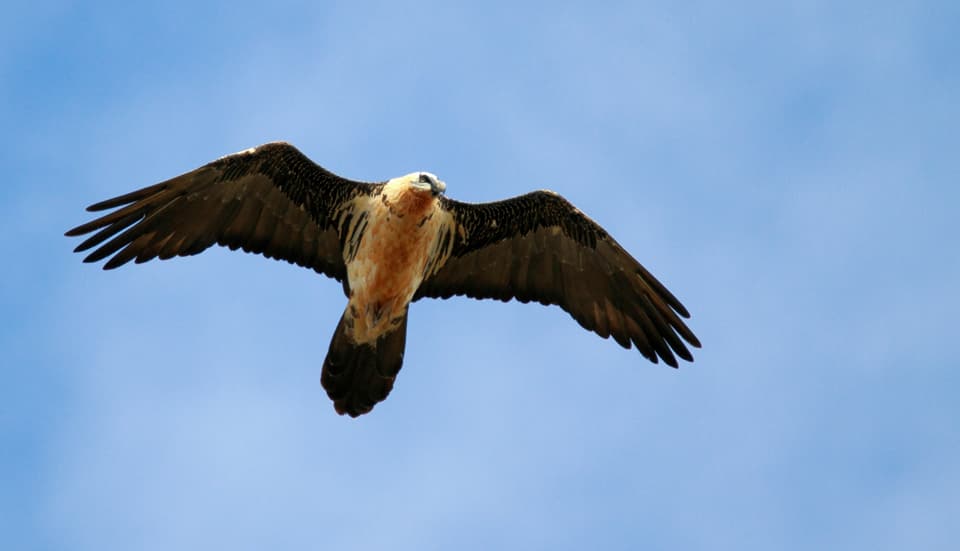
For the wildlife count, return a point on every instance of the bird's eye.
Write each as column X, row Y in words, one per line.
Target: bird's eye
column 424, row 179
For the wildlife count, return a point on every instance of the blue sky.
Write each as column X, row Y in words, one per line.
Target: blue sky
column 789, row 170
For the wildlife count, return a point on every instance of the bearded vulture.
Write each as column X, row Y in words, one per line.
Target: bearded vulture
column 389, row 244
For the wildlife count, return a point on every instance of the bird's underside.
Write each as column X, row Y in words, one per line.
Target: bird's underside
column 389, row 244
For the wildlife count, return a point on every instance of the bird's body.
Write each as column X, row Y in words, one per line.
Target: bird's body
column 392, row 243
column 390, row 261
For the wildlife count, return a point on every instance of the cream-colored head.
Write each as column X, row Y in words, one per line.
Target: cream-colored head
column 425, row 181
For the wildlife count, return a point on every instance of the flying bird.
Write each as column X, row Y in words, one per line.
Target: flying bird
column 390, row 244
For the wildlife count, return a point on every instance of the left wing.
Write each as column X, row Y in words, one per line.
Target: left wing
column 539, row 247
column 271, row 200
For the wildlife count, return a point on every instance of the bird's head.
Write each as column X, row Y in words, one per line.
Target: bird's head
column 425, row 181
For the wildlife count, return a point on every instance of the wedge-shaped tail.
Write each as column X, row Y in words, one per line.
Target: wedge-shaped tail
column 358, row 376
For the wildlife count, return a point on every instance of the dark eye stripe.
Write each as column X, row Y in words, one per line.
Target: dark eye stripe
column 424, row 179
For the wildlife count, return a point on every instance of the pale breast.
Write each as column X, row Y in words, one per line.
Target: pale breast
column 389, row 263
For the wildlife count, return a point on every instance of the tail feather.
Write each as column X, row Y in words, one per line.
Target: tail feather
column 358, row 376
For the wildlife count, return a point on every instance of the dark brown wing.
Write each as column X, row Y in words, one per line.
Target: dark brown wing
column 539, row 247
column 271, row 200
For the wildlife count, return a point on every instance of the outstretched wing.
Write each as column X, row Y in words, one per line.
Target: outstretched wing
column 270, row 200
column 539, row 247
